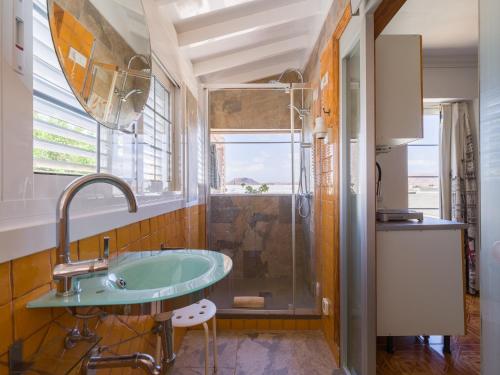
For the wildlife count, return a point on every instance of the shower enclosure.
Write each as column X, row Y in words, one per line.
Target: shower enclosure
column 259, row 170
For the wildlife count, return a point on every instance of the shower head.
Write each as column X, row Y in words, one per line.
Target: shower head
column 289, row 70
column 124, row 98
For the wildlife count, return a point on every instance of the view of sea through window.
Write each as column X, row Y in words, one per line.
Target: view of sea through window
column 423, row 168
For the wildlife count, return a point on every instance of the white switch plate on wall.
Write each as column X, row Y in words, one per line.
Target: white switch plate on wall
column 325, row 306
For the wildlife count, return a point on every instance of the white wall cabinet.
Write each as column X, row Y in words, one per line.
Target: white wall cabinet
column 399, row 88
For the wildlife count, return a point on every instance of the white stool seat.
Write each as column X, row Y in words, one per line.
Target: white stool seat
column 195, row 314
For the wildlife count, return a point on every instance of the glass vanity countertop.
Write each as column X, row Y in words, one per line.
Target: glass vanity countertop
column 149, row 276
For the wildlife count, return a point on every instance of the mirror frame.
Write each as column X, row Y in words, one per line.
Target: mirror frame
column 123, row 128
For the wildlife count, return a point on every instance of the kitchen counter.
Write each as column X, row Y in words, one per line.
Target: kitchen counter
column 429, row 223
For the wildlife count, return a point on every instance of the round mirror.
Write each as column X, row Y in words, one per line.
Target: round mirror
column 104, row 51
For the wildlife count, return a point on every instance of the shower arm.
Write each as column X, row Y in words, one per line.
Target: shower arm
column 301, row 112
column 292, row 70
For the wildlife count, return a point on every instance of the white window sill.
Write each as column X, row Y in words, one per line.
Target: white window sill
column 21, row 235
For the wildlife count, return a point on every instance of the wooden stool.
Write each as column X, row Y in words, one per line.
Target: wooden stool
column 195, row 314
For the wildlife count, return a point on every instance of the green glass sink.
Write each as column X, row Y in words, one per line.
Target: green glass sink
column 162, row 271
column 144, row 279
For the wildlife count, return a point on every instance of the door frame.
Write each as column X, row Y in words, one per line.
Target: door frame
column 361, row 30
column 350, row 40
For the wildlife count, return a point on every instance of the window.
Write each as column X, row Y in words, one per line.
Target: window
column 252, row 162
column 64, row 136
column 423, row 167
column 66, row 140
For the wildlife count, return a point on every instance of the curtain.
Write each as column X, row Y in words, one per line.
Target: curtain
column 214, row 170
column 459, row 194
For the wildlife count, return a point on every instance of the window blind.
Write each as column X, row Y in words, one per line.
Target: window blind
column 64, row 136
column 155, row 140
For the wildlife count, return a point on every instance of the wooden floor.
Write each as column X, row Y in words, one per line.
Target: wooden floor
column 412, row 356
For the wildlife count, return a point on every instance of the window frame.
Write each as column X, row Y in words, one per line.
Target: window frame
column 292, row 142
column 434, row 110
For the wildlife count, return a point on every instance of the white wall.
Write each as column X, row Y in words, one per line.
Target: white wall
column 451, row 82
column 16, row 118
column 165, row 44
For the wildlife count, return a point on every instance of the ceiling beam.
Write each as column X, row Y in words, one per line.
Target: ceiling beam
column 254, row 74
column 250, row 55
column 237, row 42
column 200, row 30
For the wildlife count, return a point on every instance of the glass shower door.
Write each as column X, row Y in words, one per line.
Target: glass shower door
column 306, row 286
column 251, row 196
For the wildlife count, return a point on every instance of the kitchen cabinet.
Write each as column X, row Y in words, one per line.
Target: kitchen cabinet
column 399, row 89
column 420, row 278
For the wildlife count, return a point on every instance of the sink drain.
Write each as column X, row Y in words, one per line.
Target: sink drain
column 120, row 283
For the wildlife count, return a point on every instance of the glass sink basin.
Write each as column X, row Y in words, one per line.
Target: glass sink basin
column 146, row 282
column 162, row 271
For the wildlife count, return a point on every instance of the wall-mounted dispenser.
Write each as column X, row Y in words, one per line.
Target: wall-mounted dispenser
column 320, row 128
column 18, row 37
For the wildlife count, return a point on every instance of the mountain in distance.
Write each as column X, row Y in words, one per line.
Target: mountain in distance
column 242, row 180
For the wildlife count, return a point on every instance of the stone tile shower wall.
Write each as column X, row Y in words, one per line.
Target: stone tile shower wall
column 249, row 109
column 256, row 232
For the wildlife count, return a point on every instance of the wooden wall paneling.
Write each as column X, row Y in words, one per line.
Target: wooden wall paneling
column 274, row 324
column 326, row 73
column 328, row 240
column 343, row 22
column 328, row 179
column 384, row 14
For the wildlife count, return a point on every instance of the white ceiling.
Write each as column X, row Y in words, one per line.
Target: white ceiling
column 245, row 40
column 448, row 27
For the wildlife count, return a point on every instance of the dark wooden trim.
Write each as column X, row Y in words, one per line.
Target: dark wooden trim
column 384, row 14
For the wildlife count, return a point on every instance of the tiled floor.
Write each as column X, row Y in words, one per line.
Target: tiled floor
column 412, row 357
column 258, row 353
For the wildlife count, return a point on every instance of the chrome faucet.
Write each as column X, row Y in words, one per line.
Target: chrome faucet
column 65, row 270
